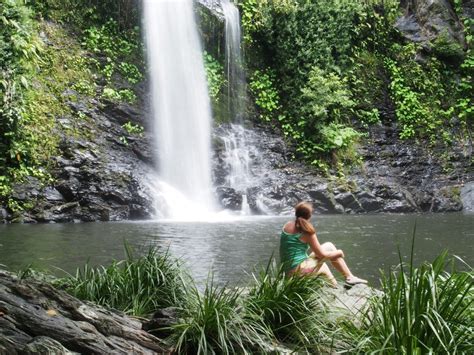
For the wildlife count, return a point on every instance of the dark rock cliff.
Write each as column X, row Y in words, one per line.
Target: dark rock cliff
column 435, row 26
column 395, row 176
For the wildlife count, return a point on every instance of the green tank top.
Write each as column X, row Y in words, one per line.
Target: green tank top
column 292, row 250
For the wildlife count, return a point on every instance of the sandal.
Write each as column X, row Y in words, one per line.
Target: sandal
column 354, row 280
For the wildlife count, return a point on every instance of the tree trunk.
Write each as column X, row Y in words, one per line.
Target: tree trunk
column 37, row 318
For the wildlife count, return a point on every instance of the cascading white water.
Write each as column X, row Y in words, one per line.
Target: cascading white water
column 181, row 109
column 244, row 165
column 234, row 62
column 237, row 157
column 237, row 153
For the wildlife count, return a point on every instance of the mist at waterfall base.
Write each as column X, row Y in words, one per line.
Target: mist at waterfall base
column 182, row 113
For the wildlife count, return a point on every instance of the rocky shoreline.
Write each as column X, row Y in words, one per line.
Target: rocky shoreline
column 37, row 318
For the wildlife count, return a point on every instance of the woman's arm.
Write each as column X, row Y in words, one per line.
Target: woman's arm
column 321, row 254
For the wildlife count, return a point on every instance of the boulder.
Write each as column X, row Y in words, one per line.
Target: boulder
column 467, row 197
column 435, row 26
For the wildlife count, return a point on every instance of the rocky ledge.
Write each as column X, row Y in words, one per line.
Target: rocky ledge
column 36, row 318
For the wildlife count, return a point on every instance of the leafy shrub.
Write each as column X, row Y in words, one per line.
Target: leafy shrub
column 133, row 128
column 117, row 52
column 326, row 98
column 267, row 99
column 215, row 76
column 338, row 137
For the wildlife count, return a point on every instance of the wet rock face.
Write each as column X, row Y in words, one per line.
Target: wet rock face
column 435, row 25
column 103, row 178
column 100, row 174
column 397, row 176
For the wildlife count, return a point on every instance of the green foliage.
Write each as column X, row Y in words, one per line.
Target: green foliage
column 444, row 46
column 312, row 34
column 411, row 113
column 421, row 310
column 338, row 137
column 131, row 72
column 367, row 80
column 215, row 76
column 267, row 99
column 117, row 52
column 420, row 93
column 326, row 98
column 256, row 15
column 339, row 60
column 19, row 49
column 125, row 95
column 84, row 13
column 326, row 101
column 374, row 25
column 212, row 323
column 292, row 308
column 308, row 45
column 136, row 286
column 132, row 128
column 463, row 106
column 26, row 142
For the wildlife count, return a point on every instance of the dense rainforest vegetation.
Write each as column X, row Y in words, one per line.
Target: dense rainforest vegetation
column 320, row 72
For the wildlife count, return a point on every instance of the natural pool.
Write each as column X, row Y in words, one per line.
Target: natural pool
column 233, row 249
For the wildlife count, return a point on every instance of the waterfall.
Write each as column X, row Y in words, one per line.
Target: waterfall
column 234, row 62
column 237, row 153
column 181, row 110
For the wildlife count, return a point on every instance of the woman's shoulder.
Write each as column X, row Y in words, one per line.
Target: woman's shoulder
column 289, row 227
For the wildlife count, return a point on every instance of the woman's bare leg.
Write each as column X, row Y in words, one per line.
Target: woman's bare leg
column 339, row 263
column 313, row 266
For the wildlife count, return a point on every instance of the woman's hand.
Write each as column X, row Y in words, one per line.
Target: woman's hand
column 321, row 254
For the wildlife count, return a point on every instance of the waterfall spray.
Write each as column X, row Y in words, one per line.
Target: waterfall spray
column 181, row 110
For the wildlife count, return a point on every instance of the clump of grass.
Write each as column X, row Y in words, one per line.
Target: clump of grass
column 213, row 322
column 294, row 309
column 136, row 286
column 421, row 310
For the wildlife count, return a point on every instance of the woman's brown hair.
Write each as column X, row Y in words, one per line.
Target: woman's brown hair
column 303, row 212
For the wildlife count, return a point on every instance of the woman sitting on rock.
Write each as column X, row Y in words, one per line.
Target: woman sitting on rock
column 299, row 236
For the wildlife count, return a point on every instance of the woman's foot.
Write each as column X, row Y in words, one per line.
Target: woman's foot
column 354, row 280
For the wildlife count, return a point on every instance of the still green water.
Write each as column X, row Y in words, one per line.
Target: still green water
column 233, row 249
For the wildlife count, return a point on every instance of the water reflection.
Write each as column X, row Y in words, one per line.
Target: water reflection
column 235, row 248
